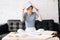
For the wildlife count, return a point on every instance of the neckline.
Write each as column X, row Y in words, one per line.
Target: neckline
column 29, row 14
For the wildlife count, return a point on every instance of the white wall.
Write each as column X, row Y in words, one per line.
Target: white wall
column 11, row 9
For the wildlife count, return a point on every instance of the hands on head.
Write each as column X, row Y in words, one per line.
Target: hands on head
column 34, row 7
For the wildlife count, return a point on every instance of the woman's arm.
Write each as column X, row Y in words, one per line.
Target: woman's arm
column 22, row 17
column 38, row 13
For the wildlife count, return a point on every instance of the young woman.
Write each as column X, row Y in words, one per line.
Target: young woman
column 29, row 17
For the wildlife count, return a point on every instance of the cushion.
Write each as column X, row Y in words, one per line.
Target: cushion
column 45, row 24
column 13, row 25
column 4, row 28
column 48, row 24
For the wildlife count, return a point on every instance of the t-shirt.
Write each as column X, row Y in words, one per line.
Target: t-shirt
column 30, row 19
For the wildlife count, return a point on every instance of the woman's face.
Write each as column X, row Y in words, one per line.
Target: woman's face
column 30, row 9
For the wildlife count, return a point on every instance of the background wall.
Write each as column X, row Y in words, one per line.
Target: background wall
column 11, row 9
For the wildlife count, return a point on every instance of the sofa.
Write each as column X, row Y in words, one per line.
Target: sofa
column 14, row 25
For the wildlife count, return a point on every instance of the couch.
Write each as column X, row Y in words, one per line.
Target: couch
column 13, row 25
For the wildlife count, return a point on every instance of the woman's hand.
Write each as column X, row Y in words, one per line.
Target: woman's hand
column 22, row 17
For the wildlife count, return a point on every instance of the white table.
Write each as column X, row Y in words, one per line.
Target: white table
column 24, row 36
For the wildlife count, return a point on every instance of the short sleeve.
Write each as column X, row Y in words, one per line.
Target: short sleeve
column 36, row 16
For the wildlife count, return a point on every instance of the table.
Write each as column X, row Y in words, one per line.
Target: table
column 24, row 36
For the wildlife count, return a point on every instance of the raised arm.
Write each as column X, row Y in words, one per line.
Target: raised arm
column 38, row 13
column 22, row 17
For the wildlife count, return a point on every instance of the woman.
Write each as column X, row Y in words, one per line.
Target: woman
column 29, row 17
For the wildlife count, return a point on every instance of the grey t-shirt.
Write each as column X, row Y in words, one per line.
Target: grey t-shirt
column 30, row 19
